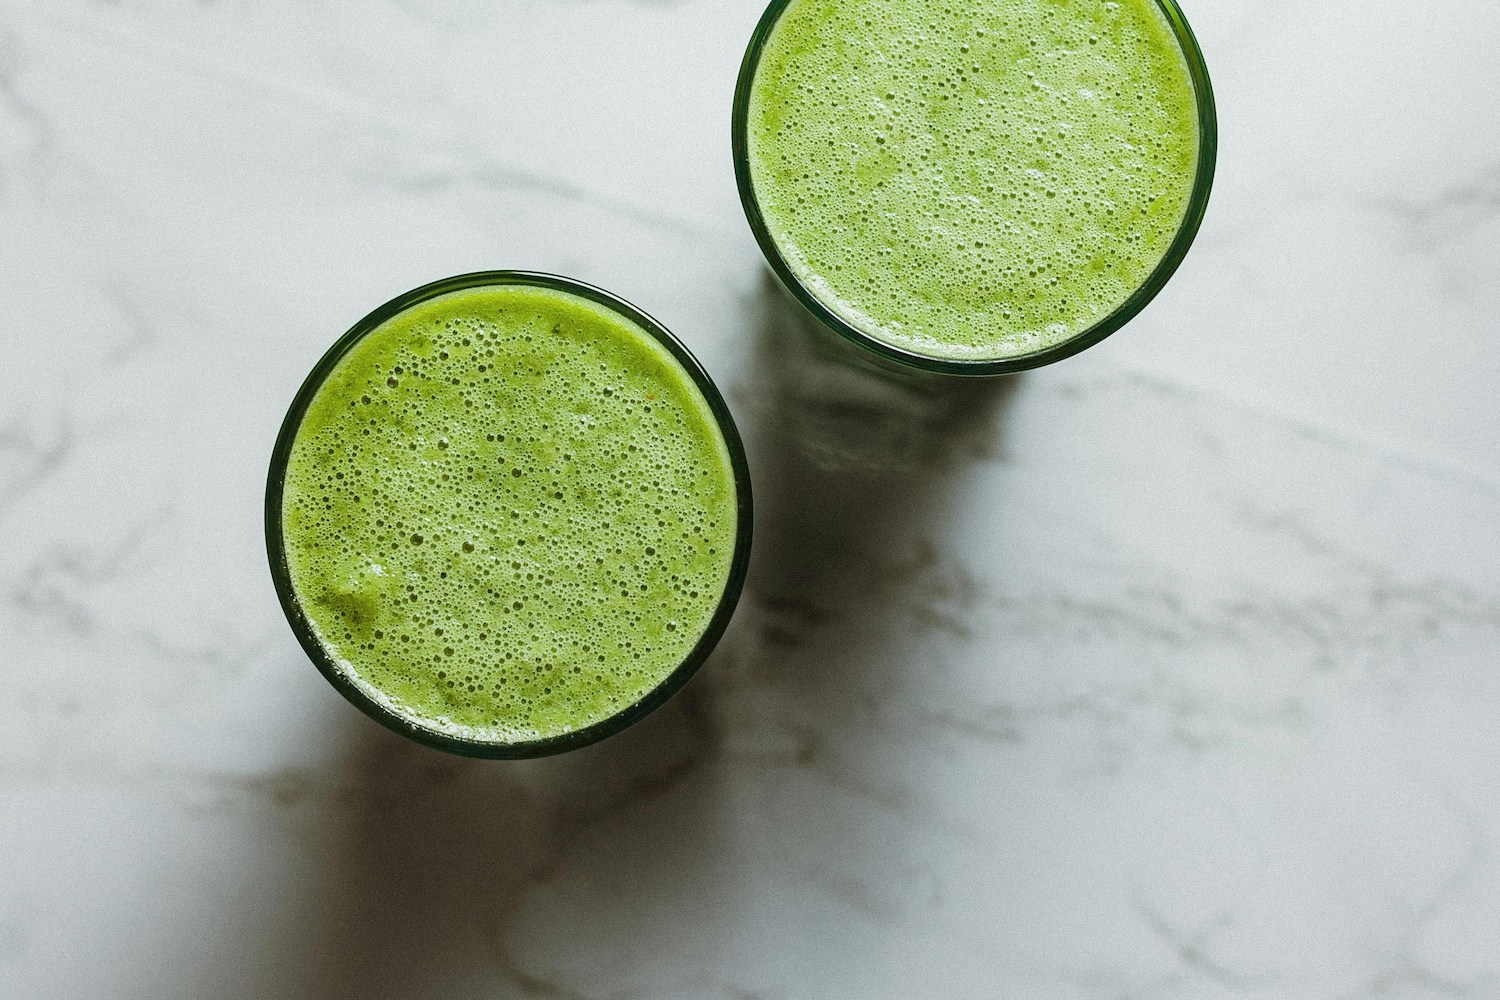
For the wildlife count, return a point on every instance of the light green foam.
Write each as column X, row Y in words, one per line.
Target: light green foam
column 509, row 513
column 972, row 181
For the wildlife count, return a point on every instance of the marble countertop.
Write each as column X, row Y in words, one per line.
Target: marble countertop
column 1169, row 671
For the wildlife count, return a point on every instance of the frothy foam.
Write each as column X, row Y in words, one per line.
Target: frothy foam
column 972, row 181
column 509, row 513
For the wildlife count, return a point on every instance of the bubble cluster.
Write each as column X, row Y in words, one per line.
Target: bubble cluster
column 509, row 513
column 972, row 181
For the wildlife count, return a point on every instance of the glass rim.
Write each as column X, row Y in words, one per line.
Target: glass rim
column 344, row 683
column 1192, row 220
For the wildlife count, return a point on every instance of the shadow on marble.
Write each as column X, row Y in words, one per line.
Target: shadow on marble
column 852, row 465
column 420, row 858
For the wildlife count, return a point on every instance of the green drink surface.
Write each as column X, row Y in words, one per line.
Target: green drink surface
column 972, row 181
column 508, row 513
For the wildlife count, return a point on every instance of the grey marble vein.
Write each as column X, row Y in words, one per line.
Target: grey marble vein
column 1457, row 210
column 471, row 165
column 1193, row 949
column 32, row 455
column 140, row 333
column 478, row 169
column 60, row 583
column 28, row 136
column 1400, row 969
column 1485, row 480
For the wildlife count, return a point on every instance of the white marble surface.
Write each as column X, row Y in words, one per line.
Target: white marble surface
column 1166, row 672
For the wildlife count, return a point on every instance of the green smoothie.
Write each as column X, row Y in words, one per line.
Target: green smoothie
column 972, row 181
column 509, row 513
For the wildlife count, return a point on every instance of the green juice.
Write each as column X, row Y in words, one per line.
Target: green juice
column 508, row 514
column 972, row 181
